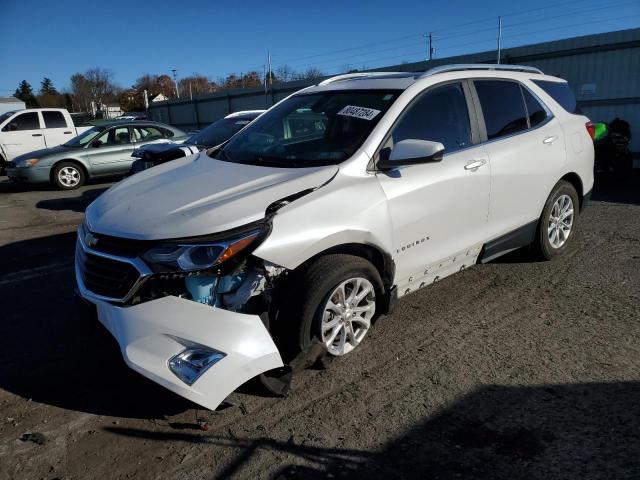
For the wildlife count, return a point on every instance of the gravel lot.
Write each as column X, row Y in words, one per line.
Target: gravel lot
column 514, row 369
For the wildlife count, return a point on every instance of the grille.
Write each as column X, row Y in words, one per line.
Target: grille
column 104, row 276
column 124, row 247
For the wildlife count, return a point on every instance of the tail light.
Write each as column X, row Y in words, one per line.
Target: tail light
column 591, row 129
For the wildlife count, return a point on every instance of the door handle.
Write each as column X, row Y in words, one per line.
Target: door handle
column 475, row 164
column 67, row 133
column 36, row 134
column 549, row 140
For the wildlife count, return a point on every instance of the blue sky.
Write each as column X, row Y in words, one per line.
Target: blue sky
column 59, row 38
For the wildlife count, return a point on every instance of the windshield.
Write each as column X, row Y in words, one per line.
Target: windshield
column 218, row 132
column 310, row 129
column 84, row 138
column 6, row 115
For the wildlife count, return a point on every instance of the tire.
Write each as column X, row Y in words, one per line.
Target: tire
column 68, row 176
column 302, row 320
column 552, row 237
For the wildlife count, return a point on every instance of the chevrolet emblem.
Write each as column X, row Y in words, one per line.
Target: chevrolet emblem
column 90, row 240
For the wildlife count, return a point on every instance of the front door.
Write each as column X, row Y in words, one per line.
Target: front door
column 438, row 210
column 23, row 135
column 110, row 153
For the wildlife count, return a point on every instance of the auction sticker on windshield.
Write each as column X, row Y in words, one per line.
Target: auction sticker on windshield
column 359, row 112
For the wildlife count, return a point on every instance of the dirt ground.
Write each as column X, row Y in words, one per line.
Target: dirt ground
column 514, row 369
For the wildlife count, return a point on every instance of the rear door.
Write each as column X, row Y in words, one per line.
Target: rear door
column 110, row 153
column 23, row 134
column 56, row 130
column 526, row 149
column 438, row 210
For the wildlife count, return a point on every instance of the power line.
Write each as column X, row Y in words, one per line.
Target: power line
column 442, row 29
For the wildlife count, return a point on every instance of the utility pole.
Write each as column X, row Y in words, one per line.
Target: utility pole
column 431, row 49
column 175, row 81
column 270, row 75
column 499, row 37
column 190, row 92
column 264, row 76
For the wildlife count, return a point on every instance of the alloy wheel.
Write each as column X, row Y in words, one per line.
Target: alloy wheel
column 560, row 221
column 347, row 315
column 69, row 176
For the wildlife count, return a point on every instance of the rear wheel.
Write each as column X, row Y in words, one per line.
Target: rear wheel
column 558, row 221
column 68, row 176
column 334, row 300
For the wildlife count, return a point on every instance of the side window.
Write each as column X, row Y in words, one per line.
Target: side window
column 439, row 115
column 147, row 134
column 166, row 132
column 502, row 106
column 561, row 93
column 25, row 121
column 113, row 136
column 535, row 112
column 54, row 120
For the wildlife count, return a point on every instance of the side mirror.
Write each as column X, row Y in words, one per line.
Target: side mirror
column 410, row 152
column 13, row 127
column 96, row 144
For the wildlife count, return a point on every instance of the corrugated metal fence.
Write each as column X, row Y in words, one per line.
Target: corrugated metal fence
column 603, row 70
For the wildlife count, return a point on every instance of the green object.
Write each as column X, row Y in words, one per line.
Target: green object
column 600, row 130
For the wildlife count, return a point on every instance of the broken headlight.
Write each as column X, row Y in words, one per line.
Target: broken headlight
column 204, row 253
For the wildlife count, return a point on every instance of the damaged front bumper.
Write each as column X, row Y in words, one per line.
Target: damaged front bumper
column 153, row 333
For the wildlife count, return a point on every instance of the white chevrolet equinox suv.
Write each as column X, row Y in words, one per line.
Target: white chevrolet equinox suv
column 310, row 222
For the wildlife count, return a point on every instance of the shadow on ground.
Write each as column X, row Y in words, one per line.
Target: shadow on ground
column 77, row 204
column 53, row 356
column 551, row 431
column 615, row 189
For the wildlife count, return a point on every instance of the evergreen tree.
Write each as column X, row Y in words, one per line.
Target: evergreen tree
column 24, row 92
column 49, row 96
column 47, row 88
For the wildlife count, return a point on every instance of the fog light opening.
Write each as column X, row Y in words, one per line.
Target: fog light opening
column 193, row 361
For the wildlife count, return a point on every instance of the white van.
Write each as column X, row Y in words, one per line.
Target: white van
column 314, row 219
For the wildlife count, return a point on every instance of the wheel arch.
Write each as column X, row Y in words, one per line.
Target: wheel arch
column 574, row 179
column 381, row 260
column 75, row 161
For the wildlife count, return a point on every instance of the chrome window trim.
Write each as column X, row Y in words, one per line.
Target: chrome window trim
column 142, row 268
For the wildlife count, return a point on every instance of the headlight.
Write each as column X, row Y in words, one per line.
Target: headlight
column 191, row 257
column 31, row 162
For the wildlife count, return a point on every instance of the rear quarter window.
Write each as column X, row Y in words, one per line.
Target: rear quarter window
column 561, row 93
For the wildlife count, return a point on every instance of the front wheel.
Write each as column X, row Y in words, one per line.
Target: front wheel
column 558, row 221
column 68, row 176
column 334, row 300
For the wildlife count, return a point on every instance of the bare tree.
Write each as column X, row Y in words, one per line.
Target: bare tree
column 80, row 92
column 312, row 73
column 285, row 73
column 101, row 85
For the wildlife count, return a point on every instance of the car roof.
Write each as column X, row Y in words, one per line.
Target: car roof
column 403, row 80
column 136, row 123
column 245, row 113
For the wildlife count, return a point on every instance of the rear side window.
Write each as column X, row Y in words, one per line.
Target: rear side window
column 166, row 132
column 535, row 111
column 54, row 120
column 561, row 93
column 439, row 115
column 26, row 121
column 502, row 106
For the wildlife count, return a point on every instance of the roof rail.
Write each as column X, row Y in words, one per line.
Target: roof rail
column 479, row 66
column 350, row 76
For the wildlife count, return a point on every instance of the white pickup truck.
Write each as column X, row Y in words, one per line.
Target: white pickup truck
column 24, row 131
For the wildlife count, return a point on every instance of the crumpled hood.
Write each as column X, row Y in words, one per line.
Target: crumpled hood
column 196, row 195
